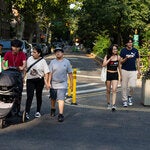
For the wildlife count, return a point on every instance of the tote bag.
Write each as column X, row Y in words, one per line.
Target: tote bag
column 103, row 73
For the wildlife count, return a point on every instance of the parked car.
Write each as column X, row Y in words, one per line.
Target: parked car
column 58, row 42
column 43, row 46
column 26, row 47
column 6, row 46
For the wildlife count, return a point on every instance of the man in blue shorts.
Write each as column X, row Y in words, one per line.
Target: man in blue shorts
column 130, row 71
column 59, row 67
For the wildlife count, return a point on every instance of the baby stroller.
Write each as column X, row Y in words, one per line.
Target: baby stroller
column 10, row 91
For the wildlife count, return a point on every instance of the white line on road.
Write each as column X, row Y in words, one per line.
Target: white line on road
column 85, row 76
column 82, row 91
column 88, row 84
column 79, row 92
column 91, row 90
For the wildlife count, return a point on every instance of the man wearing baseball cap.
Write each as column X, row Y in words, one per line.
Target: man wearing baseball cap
column 58, row 49
column 59, row 67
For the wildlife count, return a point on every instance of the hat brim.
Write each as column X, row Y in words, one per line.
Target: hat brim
column 56, row 50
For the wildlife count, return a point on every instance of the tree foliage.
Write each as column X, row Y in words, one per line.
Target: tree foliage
column 101, row 44
column 119, row 17
column 41, row 13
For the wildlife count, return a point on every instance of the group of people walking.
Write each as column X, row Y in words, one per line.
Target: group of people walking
column 38, row 73
column 124, row 67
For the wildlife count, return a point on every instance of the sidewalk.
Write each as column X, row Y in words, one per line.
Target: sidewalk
column 97, row 100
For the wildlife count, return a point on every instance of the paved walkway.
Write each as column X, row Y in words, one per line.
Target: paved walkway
column 88, row 125
column 96, row 98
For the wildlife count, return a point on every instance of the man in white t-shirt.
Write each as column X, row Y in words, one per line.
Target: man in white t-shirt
column 59, row 68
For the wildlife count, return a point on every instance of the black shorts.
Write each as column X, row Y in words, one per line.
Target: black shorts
column 112, row 76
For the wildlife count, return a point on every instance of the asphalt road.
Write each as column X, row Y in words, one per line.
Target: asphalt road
column 88, row 125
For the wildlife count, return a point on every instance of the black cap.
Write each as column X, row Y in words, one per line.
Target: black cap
column 58, row 49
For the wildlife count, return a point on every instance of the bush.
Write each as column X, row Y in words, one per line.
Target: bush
column 101, row 45
column 144, row 53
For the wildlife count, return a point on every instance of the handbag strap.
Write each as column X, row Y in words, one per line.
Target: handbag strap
column 33, row 64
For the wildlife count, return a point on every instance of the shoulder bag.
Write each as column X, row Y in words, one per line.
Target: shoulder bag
column 103, row 73
column 33, row 64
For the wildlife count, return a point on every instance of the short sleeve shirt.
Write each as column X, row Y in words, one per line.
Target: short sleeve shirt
column 59, row 71
column 38, row 70
column 129, row 64
column 15, row 60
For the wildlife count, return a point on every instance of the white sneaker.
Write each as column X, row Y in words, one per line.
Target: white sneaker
column 125, row 104
column 108, row 106
column 113, row 108
column 130, row 102
column 37, row 115
column 27, row 116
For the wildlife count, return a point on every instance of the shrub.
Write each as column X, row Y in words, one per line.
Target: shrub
column 101, row 45
column 144, row 53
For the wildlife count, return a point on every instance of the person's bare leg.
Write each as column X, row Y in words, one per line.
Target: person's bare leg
column 108, row 88
column 61, row 106
column 53, row 102
column 61, row 110
column 114, row 91
column 53, row 109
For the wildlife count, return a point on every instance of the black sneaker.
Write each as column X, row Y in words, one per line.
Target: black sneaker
column 53, row 112
column 60, row 118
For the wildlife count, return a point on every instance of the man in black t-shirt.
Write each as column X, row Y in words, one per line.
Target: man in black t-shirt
column 130, row 60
